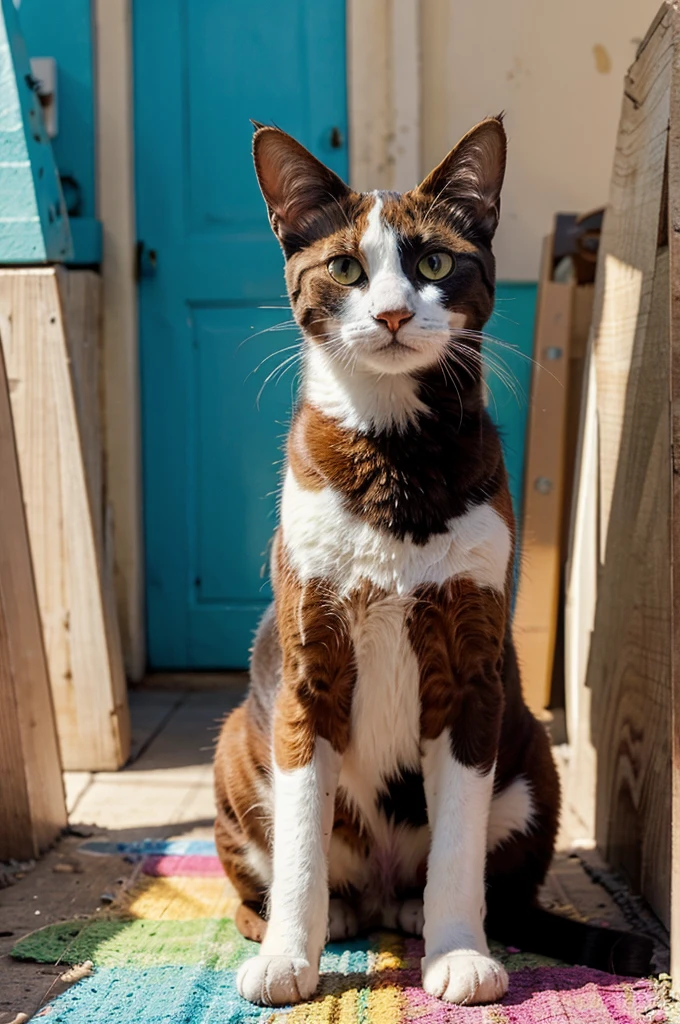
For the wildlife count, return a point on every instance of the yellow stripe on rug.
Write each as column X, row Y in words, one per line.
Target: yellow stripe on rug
column 177, row 899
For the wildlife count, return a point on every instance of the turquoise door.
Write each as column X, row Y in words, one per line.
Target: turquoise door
column 211, row 281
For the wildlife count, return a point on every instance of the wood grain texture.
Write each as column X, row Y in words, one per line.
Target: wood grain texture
column 674, row 382
column 619, row 610
column 32, row 806
column 628, row 244
column 534, row 624
column 629, row 669
column 49, row 324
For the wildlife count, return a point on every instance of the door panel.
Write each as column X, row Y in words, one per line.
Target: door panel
column 211, row 452
column 232, row 483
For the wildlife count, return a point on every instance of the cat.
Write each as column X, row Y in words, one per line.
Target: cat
column 384, row 755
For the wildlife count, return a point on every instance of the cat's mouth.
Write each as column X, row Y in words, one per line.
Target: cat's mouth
column 395, row 355
column 395, row 344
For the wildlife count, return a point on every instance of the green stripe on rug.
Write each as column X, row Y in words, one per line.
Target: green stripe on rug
column 206, row 942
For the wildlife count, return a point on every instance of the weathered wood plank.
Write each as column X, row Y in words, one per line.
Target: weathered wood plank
column 51, row 348
column 32, row 807
column 619, row 676
column 628, row 245
column 580, row 602
column 674, row 381
column 535, row 619
column 629, row 670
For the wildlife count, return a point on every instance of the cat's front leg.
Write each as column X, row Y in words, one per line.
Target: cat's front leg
column 287, row 967
column 457, row 966
column 457, row 633
column 311, row 729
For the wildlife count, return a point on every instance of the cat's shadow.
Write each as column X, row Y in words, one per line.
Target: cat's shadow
column 526, row 983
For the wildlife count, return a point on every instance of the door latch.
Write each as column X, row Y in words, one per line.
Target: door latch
column 145, row 261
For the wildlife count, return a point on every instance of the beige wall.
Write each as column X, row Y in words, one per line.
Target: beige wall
column 557, row 70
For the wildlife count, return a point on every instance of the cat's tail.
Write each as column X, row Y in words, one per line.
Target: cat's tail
column 536, row 930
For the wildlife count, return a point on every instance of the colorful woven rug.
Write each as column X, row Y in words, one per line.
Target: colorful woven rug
column 167, row 950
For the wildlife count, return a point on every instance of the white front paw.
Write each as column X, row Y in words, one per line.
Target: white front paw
column 464, row 977
column 276, row 980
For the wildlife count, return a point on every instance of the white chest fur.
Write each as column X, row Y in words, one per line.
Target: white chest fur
column 325, row 541
column 385, row 730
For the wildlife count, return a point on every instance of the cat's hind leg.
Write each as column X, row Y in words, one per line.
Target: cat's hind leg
column 243, row 799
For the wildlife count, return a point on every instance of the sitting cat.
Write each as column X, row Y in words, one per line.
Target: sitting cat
column 384, row 754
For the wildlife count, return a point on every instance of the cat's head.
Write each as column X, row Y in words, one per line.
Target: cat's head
column 383, row 281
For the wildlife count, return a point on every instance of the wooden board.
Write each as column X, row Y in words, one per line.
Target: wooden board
column 579, row 614
column 628, row 244
column 49, row 322
column 535, row 619
column 619, row 605
column 629, row 668
column 674, row 381
column 32, row 807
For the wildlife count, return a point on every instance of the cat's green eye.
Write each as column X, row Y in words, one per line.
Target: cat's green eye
column 345, row 270
column 436, row 266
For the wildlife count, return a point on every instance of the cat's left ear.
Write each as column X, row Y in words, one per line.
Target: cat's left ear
column 295, row 185
column 472, row 174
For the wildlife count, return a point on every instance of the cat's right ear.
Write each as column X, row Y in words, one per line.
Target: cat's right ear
column 295, row 185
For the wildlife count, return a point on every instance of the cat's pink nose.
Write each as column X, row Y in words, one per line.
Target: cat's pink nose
column 394, row 318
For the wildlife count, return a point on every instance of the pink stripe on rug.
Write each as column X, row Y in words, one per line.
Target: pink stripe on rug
column 561, row 994
column 192, row 864
column 537, row 995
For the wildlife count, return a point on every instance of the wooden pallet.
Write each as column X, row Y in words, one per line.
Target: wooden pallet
column 623, row 588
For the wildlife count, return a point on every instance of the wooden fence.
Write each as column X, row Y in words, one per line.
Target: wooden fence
column 623, row 587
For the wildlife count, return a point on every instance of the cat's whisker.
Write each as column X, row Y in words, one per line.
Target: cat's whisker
column 502, row 316
column 282, row 372
column 491, row 339
column 284, row 325
column 500, row 369
column 272, row 355
column 289, row 360
column 498, row 366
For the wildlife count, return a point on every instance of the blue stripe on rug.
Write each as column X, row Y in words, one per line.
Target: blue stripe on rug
column 152, row 847
column 156, row 995
column 187, row 994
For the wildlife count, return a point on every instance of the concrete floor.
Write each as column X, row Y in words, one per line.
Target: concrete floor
column 166, row 790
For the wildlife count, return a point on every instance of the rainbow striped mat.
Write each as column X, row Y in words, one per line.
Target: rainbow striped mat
column 167, row 950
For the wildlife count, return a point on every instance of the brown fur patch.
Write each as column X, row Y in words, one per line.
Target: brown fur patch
column 456, row 632
column 415, row 213
column 413, row 481
column 250, row 923
column 319, row 671
column 242, row 761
